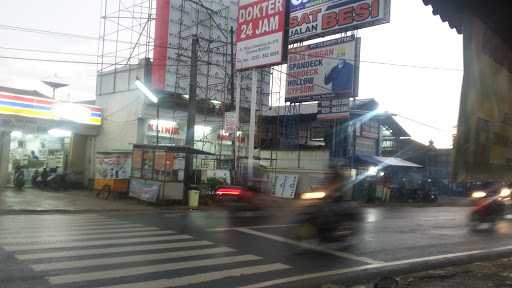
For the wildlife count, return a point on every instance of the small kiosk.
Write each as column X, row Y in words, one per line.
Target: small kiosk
column 158, row 171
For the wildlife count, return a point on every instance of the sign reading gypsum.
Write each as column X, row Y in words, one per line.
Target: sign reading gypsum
column 328, row 68
column 316, row 18
column 260, row 33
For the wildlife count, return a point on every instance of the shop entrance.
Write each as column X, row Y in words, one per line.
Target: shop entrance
column 38, row 153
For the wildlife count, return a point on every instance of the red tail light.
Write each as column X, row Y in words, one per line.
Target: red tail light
column 229, row 191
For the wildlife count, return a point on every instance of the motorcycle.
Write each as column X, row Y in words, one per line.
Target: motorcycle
column 19, row 178
column 490, row 207
column 329, row 219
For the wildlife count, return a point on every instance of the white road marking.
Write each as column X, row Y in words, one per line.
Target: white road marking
column 127, row 259
column 251, row 227
column 44, row 234
column 437, row 218
column 115, row 273
column 83, row 237
column 204, row 277
column 54, row 229
column 308, row 246
column 373, row 266
column 22, row 227
column 93, row 243
column 84, row 252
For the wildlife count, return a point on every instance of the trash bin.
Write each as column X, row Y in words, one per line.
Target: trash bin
column 193, row 198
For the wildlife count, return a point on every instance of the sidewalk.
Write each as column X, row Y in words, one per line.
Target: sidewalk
column 31, row 200
column 490, row 274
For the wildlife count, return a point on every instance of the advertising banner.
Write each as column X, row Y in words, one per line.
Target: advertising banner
column 483, row 149
column 230, row 122
column 144, row 190
column 331, row 109
column 328, row 68
column 113, row 165
column 311, row 19
column 260, row 33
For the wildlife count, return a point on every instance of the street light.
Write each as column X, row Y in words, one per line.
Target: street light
column 153, row 99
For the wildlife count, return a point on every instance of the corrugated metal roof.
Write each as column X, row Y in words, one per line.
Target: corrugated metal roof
column 24, row 92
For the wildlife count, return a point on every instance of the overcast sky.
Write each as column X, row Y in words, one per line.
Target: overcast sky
column 430, row 97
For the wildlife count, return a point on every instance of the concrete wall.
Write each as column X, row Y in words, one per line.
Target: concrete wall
column 121, row 116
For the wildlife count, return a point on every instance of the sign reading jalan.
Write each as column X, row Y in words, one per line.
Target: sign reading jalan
column 260, row 33
column 317, row 18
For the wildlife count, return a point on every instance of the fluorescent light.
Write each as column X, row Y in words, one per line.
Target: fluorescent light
column 16, row 134
column 146, row 91
column 373, row 170
column 215, row 102
column 185, row 96
column 312, row 195
column 59, row 133
column 72, row 112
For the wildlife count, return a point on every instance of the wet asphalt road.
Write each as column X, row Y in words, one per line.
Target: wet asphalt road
column 215, row 249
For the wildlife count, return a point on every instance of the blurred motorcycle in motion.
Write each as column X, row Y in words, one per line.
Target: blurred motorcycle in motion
column 327, row 219
column 491, row 202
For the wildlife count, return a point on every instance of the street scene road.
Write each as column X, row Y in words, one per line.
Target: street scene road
column 214, row 249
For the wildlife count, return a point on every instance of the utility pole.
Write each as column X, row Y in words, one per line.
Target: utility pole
column 191, row 118
column 233, row 102
column 252, row 123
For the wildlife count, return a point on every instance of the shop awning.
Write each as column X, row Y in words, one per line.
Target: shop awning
column 387, row 161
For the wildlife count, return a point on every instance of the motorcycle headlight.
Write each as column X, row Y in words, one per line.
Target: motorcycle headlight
column 505, row 192
column 478, row 194
column 312, row 195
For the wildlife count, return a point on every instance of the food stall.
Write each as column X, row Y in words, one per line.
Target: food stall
column 158, row 171
column 112, row 174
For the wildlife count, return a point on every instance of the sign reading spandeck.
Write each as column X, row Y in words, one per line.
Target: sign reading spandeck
column 260, row 33
column 317, row 18
column 322, row 70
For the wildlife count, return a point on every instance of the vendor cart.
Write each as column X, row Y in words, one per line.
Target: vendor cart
column 112, row 174
column 158, row 171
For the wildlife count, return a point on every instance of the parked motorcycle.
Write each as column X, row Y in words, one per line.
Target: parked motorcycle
column 490, row 206
column 19, row 178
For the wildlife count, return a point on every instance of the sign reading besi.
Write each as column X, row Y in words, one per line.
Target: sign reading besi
column 328, row 68
column 316, row 18
column 260, row 33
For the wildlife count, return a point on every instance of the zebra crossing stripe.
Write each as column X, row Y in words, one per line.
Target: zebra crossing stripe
column 127, row 259
column 72, row 233
column 115, row 273
column 204, row 277
column 84, row 237
column 23, row 227
column 92, row 243
column 86, row 252
column 66, row 228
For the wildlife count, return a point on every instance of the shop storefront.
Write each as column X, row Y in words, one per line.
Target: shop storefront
column 37, row 133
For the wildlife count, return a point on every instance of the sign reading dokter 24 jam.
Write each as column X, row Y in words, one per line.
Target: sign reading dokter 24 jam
column 317, row 18
column 260, row 33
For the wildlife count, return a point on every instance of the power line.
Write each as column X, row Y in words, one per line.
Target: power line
column 49, row 51
column 82, row 62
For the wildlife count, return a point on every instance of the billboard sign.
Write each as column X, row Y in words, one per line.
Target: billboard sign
column 337, row 108
column 328, row 68
column 260, row 33
column 317, row 18
column 483, row 150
